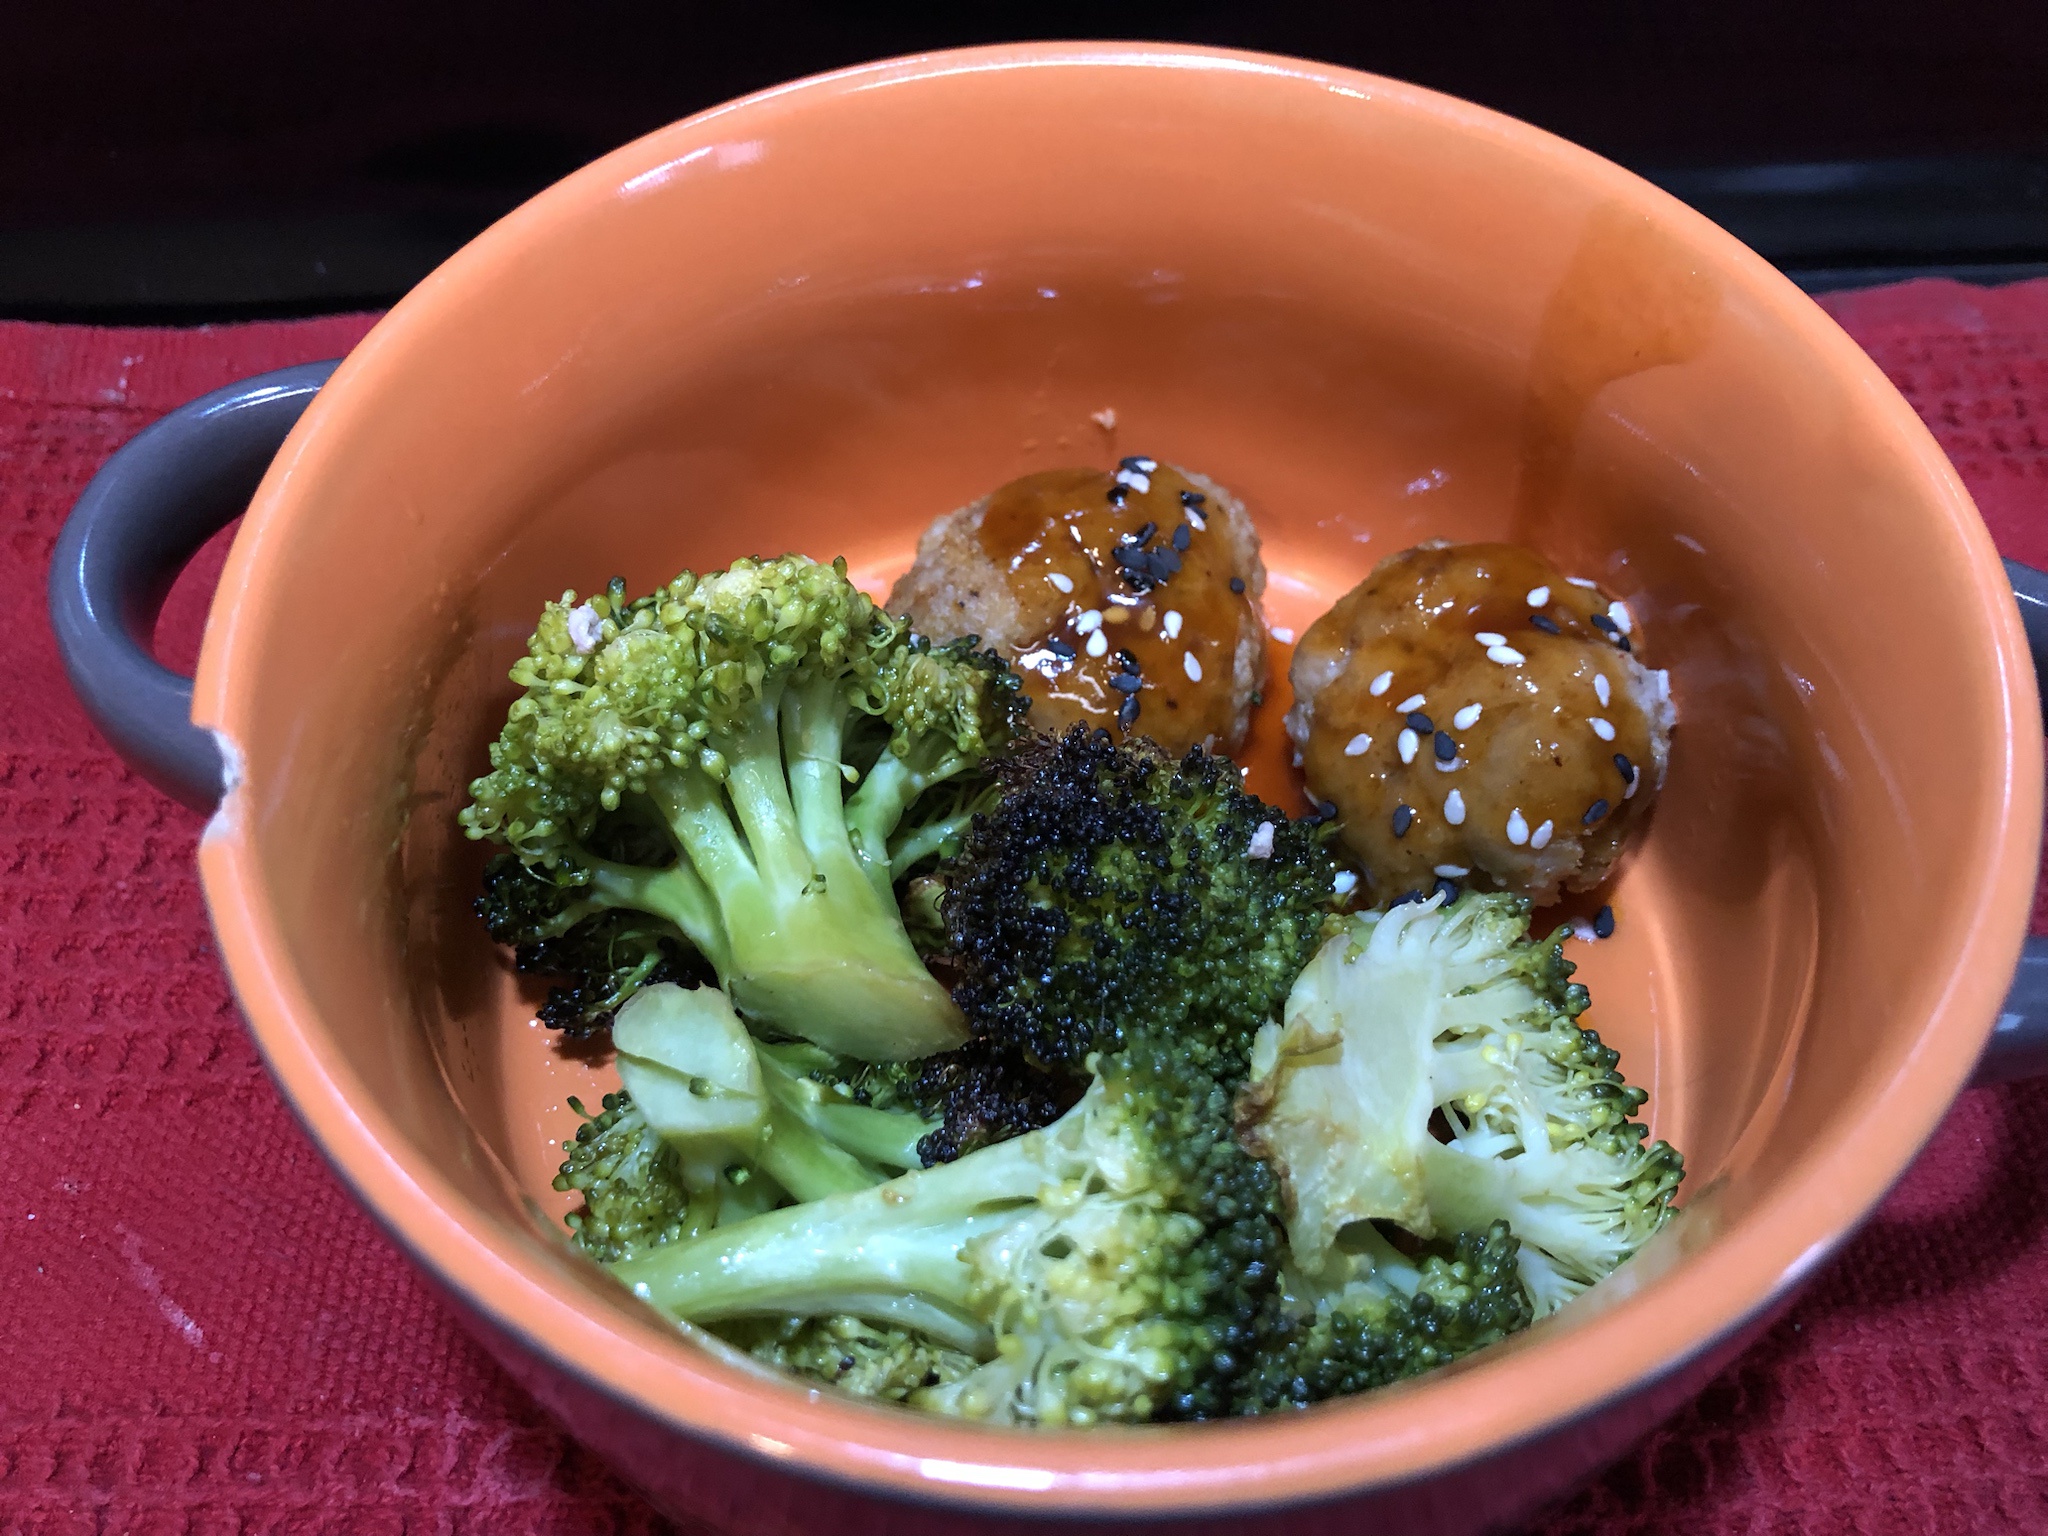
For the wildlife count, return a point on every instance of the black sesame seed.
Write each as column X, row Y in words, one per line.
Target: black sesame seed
column 1061, row 649
column 1125, row 682
column 846, row 1362
column 1446, row 749
column 1603, row 923
column 1130, row 662
column 1136, row 461
column 1127, row 714
column 1192, row 498
column 1594, row 812
column 1165, row 562
column 1144, row 535
column 1420, row 723
column 1625, row 768
column 1237, row 585
column 1405, row 897
column 1622, row 641
column 1404, row 818
column 1446, row 888
column 1545, row 623
column 1326, row 810
column 1118, row 494
column 1602, row 622
column 1182, row 536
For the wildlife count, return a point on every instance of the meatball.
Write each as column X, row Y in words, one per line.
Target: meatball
column 1125, row 598
column 1476, row 716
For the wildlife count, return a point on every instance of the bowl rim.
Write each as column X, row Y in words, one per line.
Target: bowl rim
column 1345, row 1447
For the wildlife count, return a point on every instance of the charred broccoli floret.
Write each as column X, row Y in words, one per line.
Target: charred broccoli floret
column 784, row 738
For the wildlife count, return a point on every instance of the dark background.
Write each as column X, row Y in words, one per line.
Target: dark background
column 247, row 157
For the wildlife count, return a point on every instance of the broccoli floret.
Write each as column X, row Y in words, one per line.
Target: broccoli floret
column 1123, row 1262
column 712, row 1127
column 1113, row 890
column 730, row 713
column 596, row 963
column 854, row 1356
column 1381, row 1316
column 981, row 1093
column 1451, row 1015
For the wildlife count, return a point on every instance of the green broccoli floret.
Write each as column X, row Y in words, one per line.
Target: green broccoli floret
column 854, row 1356
column 731, row 713
column 712, row 1127
column 1383, row 1316
column 1123, row 1262
column 1451, row 1015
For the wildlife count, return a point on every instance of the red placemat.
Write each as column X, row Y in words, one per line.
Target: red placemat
column 203, row 1334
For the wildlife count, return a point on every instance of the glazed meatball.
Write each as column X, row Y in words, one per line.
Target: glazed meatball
column 1476, row 716
column 1126, row 598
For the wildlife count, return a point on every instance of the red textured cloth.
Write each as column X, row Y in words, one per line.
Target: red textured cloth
column 202, row 1334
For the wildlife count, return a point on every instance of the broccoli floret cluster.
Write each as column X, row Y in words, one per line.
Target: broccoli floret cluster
column 771, row 742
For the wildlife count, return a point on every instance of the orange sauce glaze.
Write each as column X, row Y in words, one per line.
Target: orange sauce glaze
column 1055, row 536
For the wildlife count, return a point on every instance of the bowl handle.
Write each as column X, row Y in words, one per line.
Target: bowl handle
column 2018, row 1046
column 170, row 489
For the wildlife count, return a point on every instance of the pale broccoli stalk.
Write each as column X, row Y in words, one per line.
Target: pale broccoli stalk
column 732, row 712
column 713, row 1127
column 1451, row 1012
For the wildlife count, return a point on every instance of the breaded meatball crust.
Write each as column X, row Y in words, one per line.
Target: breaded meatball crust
column 1126, row 598
column 1476, row 716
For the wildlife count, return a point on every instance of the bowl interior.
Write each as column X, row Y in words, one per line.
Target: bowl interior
column 818, row 319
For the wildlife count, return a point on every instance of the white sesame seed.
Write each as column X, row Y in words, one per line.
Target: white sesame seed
column 1618, row 611
column 1144, row 466
column 1141, row 483
column 1413, row 702
column 1358, row 745
column 1407, row 744
column 1518, row 827
column 1633, row 785
column 1506, row 655
column 1379, row 684
column 1192, row 667
column 1169, row 626
column 1201, row 523
column 1452, row 871
column 1451, row 767
column 1601, row 690
column 1601, row 728
column 1061, row 582
column 1583, row 931
column 1541, row 836
column 1261, row 845
column 1297, row 759
column 585, row 629
column 1284, row 636
column 1454, row 808
column 1488, row 637
column 1538, row 596
column 1091, row 620
column 1345, row 883
column 1467, row 717
column 1580, row 581
column 1098, row 643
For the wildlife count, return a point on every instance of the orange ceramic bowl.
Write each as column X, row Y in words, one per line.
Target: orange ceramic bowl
column 817, row 318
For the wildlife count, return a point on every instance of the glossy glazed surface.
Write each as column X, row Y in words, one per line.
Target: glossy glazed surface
column 823, row 316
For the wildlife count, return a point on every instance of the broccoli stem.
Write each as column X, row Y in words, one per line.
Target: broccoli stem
column 864, row 1254
column 886, row 1138
column 781, row 904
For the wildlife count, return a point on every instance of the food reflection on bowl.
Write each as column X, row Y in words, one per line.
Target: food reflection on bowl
column 816, row 320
